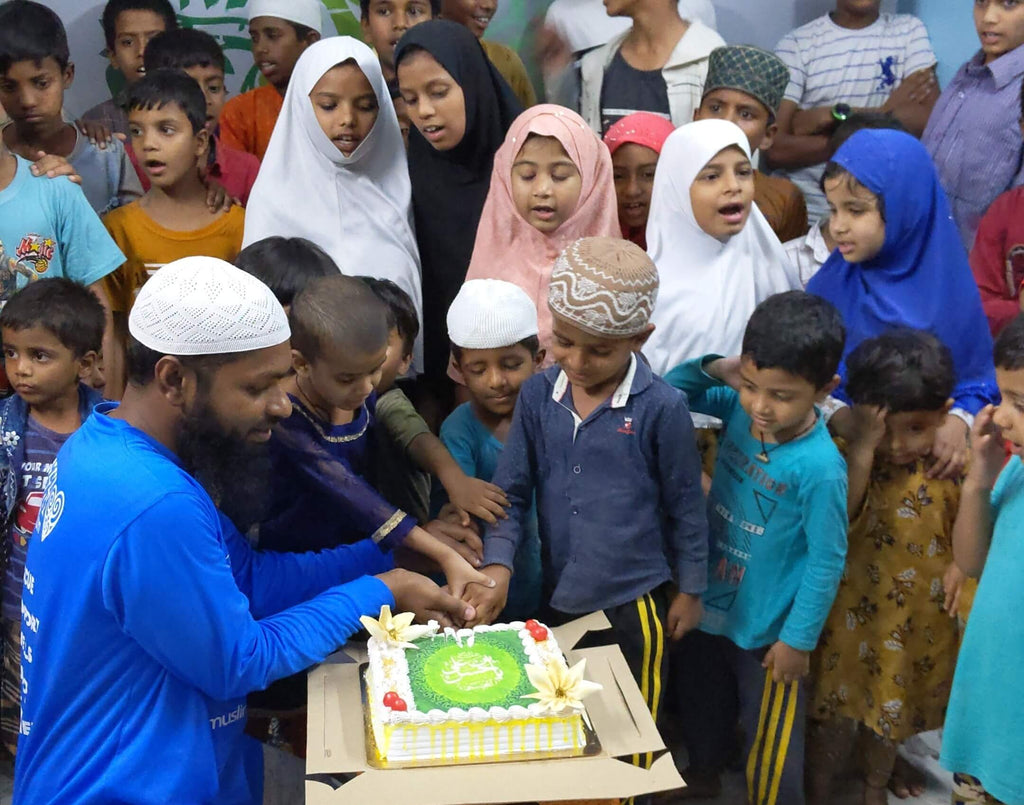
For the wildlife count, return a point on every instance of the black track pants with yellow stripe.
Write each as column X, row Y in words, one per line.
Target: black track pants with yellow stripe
column 639, row 628
column 716, row 679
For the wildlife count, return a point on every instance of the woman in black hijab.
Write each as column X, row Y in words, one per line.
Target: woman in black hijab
column 460, row 107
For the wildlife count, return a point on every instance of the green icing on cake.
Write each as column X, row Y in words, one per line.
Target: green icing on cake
column 487, row 674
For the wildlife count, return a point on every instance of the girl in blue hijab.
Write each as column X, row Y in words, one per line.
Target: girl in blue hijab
column 899, row 262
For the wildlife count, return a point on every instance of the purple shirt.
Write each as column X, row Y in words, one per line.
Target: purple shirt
column 974, row 136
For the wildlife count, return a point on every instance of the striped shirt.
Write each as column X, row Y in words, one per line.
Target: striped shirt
column 974, row 137
column 829, row 64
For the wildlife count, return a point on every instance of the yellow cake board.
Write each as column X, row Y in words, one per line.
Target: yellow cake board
column 336, row 744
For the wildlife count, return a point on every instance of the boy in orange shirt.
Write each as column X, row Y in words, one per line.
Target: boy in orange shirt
column 167, row 116
column 280, row 31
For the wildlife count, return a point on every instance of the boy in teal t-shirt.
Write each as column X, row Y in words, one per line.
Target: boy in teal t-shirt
column 777, row 520
column 492, row 326
column 982, row 742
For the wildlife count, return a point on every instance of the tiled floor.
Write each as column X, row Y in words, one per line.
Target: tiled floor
column 284, row 785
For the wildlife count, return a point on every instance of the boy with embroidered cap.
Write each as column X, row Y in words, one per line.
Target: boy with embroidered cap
column 147, row 613
column 745, row 85
column 492, row 326
column 777, row 517
column 609, row 450
column 280, row 31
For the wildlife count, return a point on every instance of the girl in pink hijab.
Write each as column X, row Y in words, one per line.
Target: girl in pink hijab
column 551, row 185
column 635, row 144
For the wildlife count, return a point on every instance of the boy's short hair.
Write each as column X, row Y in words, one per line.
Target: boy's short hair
column 114, row 8
column 901, row 370
column 364, row 8
column 531, row 344
column 68, row 309
column 797, row 332
column 170, row 87
column 337, row 310
column 401, row 310
column 286, row 265
column 1009, row 348
column 182, row 49
column 858, row 122
column 31, row 32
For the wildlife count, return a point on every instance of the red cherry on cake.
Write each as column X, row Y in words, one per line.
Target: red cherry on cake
column 399, row 704
column 391, row 698
column 531, row 625
column 538, row 633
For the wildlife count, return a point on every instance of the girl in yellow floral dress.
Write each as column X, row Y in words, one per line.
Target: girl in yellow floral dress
column 885, row 661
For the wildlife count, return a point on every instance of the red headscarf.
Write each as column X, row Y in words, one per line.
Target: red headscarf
column 642, row 128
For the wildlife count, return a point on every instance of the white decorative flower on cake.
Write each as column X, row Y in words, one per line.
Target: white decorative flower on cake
column 559, row 687
column 396, row 630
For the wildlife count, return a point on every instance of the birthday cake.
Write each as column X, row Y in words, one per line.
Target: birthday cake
column 498, row 692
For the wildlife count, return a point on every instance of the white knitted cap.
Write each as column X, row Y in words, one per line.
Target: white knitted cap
column 311, row 13
column 488, row 314
column 204, row 306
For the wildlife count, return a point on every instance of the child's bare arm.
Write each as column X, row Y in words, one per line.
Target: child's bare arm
column 457, row 571
column 471, row 496
column 866, row 434
column 972, row 531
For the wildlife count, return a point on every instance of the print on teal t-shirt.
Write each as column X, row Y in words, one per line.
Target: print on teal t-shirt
column 476, row 450
column 982, row 735
column 48, row 229
column 778, row 528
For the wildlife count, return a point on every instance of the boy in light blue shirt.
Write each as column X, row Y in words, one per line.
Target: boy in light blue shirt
column 777, row 520
column 492, row 326
column 982, row 742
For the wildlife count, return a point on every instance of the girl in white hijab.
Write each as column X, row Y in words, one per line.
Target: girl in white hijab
column 717, row 257
column 335, row 170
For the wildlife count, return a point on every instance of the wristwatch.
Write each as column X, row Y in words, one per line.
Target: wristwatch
column 841, row 112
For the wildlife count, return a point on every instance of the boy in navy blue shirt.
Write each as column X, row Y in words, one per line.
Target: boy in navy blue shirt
column 777, row 517
column 610, row 452
column 52, row 332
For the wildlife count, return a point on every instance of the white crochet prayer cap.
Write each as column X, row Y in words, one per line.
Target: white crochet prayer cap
column 205, row 306
column 311, row 13
column 488, row 314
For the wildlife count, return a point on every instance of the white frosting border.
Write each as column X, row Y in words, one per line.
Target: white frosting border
column 381, row 683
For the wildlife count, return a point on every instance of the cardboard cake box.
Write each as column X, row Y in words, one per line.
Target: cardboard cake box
column 336, row 745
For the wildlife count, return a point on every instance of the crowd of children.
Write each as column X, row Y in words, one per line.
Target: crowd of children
column 493, row 307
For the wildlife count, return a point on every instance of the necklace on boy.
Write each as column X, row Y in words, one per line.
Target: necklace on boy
column 763, row 456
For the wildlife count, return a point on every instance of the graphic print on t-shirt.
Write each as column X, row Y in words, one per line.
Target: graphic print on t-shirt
column 734, row 529
column 30, row 259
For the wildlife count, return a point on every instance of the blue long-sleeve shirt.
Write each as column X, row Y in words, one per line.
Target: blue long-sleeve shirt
column 321, row 497
column 619, row 504
column 148, row 618
column 778, row 529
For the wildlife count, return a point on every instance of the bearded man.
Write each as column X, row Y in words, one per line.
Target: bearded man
column 147, row 617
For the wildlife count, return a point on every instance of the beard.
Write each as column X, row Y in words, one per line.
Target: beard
column 234, row 472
